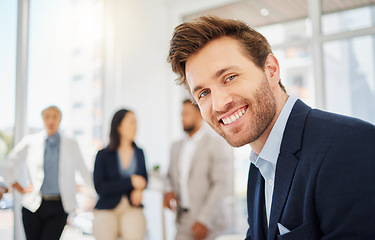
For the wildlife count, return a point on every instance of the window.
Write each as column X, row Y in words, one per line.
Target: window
column 350, row 76
column 349, row 20
column 8, row 40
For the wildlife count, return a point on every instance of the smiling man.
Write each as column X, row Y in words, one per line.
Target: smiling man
column 311, row 173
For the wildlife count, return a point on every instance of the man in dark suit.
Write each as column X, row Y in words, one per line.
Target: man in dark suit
column 312, row 173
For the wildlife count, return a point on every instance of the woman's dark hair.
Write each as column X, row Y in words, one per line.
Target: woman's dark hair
column 114, row 136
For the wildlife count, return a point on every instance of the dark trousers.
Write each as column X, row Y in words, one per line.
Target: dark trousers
column 47, row 223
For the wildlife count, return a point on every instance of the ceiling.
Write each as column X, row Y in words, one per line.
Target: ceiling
column 266, row 12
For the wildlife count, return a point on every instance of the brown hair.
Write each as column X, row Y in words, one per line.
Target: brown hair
column 189, row 37
column 114, row 136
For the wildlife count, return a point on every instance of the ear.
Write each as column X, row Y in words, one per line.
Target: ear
column 272, row 70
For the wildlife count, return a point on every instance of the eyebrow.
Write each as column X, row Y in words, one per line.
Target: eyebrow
column 218, row 74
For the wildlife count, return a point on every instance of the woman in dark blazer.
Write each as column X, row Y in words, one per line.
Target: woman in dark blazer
column 120, row 177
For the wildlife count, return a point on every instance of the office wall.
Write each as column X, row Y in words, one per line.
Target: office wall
column 137, row 75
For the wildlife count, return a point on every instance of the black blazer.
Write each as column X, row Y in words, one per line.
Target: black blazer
column 108, row 182
column 324, row 182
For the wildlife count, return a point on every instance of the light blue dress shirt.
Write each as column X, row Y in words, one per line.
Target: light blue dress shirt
column 132, row 168
column 50, row 186
column 267, row 159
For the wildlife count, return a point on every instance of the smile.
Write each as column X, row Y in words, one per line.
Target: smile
column 234, row 117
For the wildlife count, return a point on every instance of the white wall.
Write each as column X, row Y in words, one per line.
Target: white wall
column 137, row 75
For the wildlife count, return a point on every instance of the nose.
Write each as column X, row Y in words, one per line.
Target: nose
column 220, row 100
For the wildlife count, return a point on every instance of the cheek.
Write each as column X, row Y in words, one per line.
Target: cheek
column 205, row 112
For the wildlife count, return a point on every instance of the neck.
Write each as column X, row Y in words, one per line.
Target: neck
column 258, row 144
column 51, row 133
column 125, row 143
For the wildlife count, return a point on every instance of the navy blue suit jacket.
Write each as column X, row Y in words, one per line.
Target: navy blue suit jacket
column 324, row 182
column 108, row 182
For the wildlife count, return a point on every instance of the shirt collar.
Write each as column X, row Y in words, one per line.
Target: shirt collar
column 53, row 138
column 271, row 148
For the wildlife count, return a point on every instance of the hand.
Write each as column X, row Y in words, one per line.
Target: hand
column 136, row 197
column 138, row 182
column 2, row 191
column 22, row 190
column 170, row 201
column 199, row 231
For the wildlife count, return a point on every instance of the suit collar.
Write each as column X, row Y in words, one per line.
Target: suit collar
column 287, row 162
column 256, row 205
column 200, row 147
column 292, row 139
column 271, row 148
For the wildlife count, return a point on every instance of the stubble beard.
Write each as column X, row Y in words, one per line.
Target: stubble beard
column 263, row 110
column 189, row 129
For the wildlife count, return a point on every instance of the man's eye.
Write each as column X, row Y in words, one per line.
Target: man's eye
column 230, row 78
column 203, row 93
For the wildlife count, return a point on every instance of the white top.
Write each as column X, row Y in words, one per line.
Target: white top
column 267, row 159
column 30, row 151
column 186, row 156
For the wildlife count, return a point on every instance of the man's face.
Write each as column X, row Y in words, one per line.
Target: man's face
column 51, row 119
column 190, row 116
column 234, row 95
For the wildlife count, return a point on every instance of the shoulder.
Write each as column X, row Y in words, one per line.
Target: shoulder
column 339, row 126
column 211, row 138
column 68, row 139
column 137, row 148
column 105, row 152
column 338, row 140
column 39, row 136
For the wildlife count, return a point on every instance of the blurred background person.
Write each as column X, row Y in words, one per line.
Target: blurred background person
column 3, row 149
column 199, row 180
column 51, row 160
column 120, row 176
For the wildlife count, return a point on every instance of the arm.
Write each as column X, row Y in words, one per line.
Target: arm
column 80, row 165
column 12, row 161
column 142, row 171
column 170, row 199
column 3, row 189
column 221, row 173
column 139, row 181
column 345, row 194
column 105, row 186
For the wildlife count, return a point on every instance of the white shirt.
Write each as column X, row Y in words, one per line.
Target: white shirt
column 267, row 159
column 186, row 156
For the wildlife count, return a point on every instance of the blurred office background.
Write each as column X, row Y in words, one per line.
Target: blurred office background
column 91, row 57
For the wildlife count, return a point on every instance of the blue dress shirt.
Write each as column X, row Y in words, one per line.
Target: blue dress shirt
column 267, row 159
column 50, row 186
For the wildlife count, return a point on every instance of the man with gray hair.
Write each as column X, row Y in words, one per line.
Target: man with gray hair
column 51, row 160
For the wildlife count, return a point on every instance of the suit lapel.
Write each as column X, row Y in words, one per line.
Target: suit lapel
column 287, row 163
column 256, row 205
column 199, row 148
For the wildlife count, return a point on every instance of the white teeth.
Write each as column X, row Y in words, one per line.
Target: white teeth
column 233, row 118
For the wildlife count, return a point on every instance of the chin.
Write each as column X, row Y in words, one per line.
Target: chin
column 236, row 142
